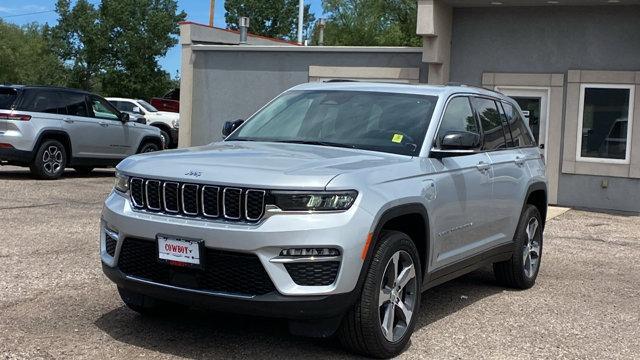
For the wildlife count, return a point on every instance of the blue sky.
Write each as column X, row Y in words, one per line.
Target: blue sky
column 197, row 11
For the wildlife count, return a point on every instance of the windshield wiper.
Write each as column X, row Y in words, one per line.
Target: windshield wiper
column 315, row 142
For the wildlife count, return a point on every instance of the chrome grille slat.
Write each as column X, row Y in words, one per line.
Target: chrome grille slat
column 152, row 187
column 198, row 200
column 209, row 191
column 229, row 203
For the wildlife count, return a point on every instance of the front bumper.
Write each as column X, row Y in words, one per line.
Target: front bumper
column 268, row 305
column 346, row 231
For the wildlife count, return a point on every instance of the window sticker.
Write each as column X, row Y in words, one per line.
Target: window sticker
column 397, row 138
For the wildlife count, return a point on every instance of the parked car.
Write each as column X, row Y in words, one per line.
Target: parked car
column 169, row 102
column 335, row 206
column 167, row 122
column 49, row 129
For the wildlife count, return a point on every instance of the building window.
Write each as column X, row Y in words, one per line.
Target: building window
column 604, row 123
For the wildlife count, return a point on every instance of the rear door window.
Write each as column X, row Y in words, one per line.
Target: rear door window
column 491, row 123
column 76, row 104
column 43, row 101
column 8, row 97
column 519, row 131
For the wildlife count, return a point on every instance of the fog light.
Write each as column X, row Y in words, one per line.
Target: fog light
column 310, row 252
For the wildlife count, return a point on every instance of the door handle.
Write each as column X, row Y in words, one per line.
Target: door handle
column 519, row 160
column 67, row 120
column 483, row 166
column 103, row 124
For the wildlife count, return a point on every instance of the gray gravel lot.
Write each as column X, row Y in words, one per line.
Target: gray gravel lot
column 55, row 302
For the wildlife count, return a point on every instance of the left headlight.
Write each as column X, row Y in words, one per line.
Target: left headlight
column 122, row 183
column 176, row 123
column 314, row 201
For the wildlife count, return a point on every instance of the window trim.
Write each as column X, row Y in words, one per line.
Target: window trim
column 434, row 142
column 627, row 159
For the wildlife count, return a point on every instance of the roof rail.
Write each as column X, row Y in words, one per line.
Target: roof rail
column 473, row 86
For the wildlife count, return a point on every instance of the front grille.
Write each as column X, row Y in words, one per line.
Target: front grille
column 111, row 245
column 223, row 271
column 313, row 274
column 196, row 200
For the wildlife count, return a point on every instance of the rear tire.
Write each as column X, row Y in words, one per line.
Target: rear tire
column 83, row 170
column 166, row 138
column 365, row 329
column 148, row 147
column 50, row 160
column 522, row 269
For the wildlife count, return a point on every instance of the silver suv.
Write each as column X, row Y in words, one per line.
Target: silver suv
column 335, row 206
column 49, row 129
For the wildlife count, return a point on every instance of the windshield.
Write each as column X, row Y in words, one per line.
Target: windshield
column 387, row 122
column 7, row 98
column 147, row 106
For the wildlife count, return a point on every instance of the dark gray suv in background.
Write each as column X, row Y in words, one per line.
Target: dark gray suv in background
column 49, row 129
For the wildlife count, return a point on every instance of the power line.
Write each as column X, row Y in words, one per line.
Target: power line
column 25, row 14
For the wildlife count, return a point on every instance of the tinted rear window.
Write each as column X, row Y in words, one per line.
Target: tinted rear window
column 45, row 101
column 7, row 98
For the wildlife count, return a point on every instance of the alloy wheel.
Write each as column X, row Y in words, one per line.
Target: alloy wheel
column 52, row 159
column 398, row 294
column 531, row 249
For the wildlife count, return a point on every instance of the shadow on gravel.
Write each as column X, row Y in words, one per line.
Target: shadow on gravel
column 197, row 334
column 19, row 175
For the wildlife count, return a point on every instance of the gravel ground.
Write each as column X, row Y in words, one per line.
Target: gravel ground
column 55, row 302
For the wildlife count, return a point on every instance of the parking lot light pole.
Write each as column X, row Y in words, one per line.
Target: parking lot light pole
column 212, row 9
column 300, row 20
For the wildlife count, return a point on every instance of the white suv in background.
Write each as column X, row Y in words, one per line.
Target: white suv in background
column 167, row 122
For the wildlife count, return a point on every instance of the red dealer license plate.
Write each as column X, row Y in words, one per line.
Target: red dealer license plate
column 179, row 252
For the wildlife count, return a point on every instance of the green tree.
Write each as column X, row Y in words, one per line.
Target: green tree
column 370, row 23
column 25, row 57
column 114, row 48
column 276, row 18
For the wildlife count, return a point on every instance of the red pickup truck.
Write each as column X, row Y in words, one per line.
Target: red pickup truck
column 169, row 102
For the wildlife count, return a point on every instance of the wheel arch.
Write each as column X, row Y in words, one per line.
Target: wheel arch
column 411, row 219
column 58, row 135
column 150, row 139
column 162, row 126
column 537, row 196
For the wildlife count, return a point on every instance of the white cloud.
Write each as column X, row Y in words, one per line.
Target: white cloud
column 22, row 9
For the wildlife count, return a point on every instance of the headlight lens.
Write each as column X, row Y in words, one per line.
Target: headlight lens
column 175, row 123
column 316, row 201
column 122, row 183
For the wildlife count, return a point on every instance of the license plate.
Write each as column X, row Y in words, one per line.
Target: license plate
column 179, row 252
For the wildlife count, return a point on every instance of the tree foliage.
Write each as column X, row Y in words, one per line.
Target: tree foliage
column 275, row 18
column 370, row 23
column 114, row 48
column 25, row 56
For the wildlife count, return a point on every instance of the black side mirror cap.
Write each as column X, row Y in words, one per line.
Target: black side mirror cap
column 460, row 140
column 231, row 126
column 124, row 117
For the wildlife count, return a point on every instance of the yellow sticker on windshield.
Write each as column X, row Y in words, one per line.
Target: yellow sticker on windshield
column 397, row 138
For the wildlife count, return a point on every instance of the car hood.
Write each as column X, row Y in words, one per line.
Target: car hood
column 256, row 164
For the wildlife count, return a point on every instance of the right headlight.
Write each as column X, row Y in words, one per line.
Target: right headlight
column 175, row 123
column 122, row 183
column 314, row 201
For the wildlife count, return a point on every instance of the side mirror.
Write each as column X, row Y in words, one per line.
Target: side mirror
column 460, row 140
column 141, row 120
column 136, row 110
column 231, row 126
column 124, row 117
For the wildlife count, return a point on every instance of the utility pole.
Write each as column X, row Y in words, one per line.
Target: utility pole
column 300, row 20
column 212, row 9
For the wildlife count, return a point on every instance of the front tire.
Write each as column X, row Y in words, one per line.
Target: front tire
column 148, row 147
column 50, row 160
column 522, row 269
column 381, row 322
